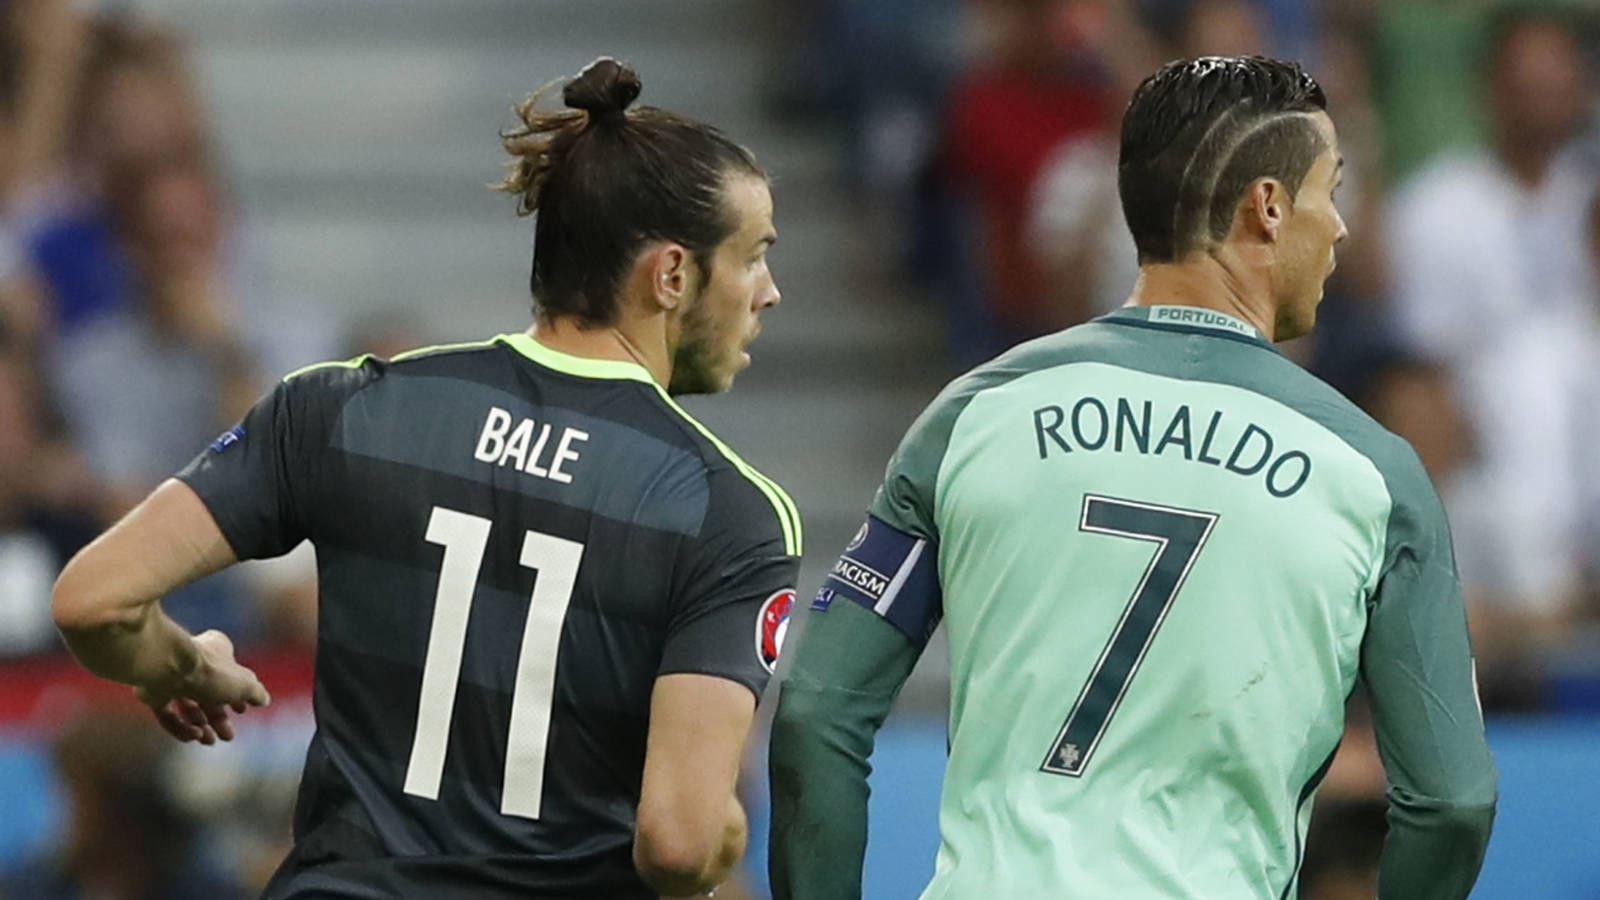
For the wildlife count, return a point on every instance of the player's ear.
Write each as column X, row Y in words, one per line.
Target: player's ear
column 1265, row 208
column 672, row 275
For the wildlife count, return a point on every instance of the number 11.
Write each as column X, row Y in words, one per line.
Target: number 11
column 464, row 538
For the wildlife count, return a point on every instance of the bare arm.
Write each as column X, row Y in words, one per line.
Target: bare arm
column 106, row 604
column 691, row 829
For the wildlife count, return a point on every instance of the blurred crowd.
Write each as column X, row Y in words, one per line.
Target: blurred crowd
column 130, row 332
column 982, row 135
column 131, row 335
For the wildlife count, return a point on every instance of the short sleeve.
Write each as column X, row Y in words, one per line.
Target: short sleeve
column 249, row 476
column 732, row 608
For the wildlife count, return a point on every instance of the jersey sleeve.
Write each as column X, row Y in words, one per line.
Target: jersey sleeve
column 866, row 630
column 256, row 477
column 1417, row 664
column 733, row 606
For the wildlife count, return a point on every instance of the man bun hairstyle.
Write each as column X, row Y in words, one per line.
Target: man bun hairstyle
column 1198, row 133
column 603, row 180
column 604, row 89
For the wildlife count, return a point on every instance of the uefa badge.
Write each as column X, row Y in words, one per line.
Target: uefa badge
column 772, row 625
column 861, row 536
column 227, row 439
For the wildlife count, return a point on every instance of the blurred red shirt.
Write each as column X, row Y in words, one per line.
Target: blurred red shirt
column 1004, row 125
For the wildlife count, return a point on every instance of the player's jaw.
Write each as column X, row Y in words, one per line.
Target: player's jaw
column 712, row 346
column 723, row 318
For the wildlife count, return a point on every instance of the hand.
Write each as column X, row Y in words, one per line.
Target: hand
column 196, row 708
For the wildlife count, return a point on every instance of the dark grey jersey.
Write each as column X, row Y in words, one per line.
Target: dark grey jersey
column 512, row 545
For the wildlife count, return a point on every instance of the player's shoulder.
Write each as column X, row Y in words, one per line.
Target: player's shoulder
column 738, row 492
column 1276, row 377
column 333, row 380
column 1080, row 343
column 352, row 374
column 1319, row 401
column 742, row 497
column 1236, row 360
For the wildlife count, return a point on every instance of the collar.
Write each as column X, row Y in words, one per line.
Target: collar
column 1189, row 319
column 582, row 366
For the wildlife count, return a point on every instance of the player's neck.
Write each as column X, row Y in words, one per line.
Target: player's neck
column 619, row 343
column 1207, row 283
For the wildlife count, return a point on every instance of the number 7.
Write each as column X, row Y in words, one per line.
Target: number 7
column 1179, row 534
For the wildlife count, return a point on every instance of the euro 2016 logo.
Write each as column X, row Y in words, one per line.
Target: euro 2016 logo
column 772, row 625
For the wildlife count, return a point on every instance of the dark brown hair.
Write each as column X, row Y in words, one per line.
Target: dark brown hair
column 604, row 180
column 1198, row 133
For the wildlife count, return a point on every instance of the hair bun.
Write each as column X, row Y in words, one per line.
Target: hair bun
column 604, row 88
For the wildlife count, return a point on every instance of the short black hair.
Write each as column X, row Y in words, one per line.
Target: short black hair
column 1197, row 133
column 604, row 180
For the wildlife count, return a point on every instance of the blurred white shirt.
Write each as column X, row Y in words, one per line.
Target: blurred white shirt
column 1473, row 251
column 1496, row 282
column 1075, row 202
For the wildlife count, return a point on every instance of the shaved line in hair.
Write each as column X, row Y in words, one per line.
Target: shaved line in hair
column 1200, row 234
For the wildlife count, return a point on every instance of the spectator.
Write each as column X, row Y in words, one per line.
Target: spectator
column 1223, row 28
column 1348, row 823
column 146, row 388
column 1425, row 57
column 1353, row 323
column 1055, row 73
column 881, row 66
column 132, row 105
column 1587, row 433
column 136, row 111
column 28, row 564
column 1415, row 400
column 1486, row 238
column 1492, row 279
column 38, row 533
column 1076, row 231
column 126, row 837
column 22, row 309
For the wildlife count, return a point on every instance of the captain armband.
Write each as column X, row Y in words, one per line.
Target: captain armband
column 892, row 573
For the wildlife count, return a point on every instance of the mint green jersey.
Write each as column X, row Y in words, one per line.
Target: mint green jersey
column 1166, row 555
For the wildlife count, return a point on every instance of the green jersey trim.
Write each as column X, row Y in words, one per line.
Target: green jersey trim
column 788, row 514
column 582, row 366
column 439, row 348
column 619, row 370
column 355, row 363
column 1306, row 793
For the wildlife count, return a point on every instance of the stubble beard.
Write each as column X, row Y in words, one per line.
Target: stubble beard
column 694, row 368
column 694, row 363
